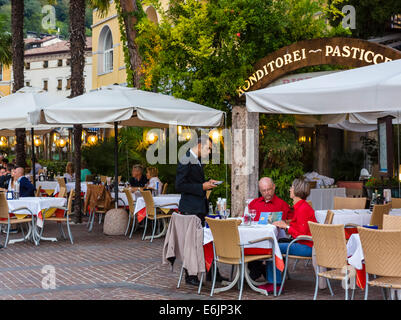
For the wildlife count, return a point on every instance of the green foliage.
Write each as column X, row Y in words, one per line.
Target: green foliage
column 33, row 16
column 55, row 166
column 372, row 16
column 347, row 166
column 5, row 42
column 202, row 51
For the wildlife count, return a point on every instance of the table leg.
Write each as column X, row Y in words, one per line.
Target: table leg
column 37, row 237
column 250, row 282
column 27, row 236
column 231, row 285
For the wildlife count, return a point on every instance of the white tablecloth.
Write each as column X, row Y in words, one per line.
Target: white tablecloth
column 323, row 199
column 47, row 185
column 71, row 186
column 359, row 216
column 249, row 233
column 123, row 197
column 159, row 201
column 35, row 204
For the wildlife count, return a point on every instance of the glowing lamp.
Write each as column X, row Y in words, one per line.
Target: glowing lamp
column 92, row 139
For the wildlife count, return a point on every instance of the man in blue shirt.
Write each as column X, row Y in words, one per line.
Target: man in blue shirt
column 26, row 188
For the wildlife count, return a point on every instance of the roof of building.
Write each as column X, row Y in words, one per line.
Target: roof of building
column 61, row 46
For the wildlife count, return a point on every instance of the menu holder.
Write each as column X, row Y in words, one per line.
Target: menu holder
column 270, row 217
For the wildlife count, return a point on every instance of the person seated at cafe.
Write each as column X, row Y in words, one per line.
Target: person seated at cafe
column 268, row 202
column 26, row 188
column 154, row 183
column 4, row 162
column 69, row 172
column 303, row 213
column 3, row 171
column 5, row 179
column 137, row 180
column 84, row 170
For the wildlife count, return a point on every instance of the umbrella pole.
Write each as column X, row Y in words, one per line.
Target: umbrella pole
column 33, row 160
column 116, row 163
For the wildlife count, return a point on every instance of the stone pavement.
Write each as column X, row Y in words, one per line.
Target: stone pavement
column 115, row 267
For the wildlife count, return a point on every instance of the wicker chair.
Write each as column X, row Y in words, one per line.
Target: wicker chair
column 391, row 222
column 164, row 191
column 331, row 252
column 103, row 179
column 7, row 219
column 61, row 183
column 38, row 192
column 379, row 210
column 227, row 249
column 349, row 203
column 98, row 199
column 329, row 217
column 89, row 178
column 381, row 249
column 208, row 192
column 62, row 193
column 152, row 212
column 67, row 212
column 131, row 210
column 396, row 203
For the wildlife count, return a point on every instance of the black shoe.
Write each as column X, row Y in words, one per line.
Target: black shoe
column 1, row 246
column 192, row 280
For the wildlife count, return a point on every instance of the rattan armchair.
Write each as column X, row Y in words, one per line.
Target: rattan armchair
column 396, row 203
column 379, row 210
column 66, row 218
column 7, row 217
column 391, row 222
column 227, row 249
column 38, row 192
column 349, row 203
column 331, row 252
column 152, row 212
column 382, row 254
column 131, row 209
column 164, row 191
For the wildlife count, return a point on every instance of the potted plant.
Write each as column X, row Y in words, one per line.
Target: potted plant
column 373, row 184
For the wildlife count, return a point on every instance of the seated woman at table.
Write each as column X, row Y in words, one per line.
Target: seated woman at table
column 303, row 213
column 69, row 172
column 154, row 183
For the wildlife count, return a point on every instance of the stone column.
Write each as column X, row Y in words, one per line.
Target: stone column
column 244, row 158
column 322, row 137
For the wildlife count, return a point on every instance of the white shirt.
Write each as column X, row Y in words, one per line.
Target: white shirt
column 153, row 183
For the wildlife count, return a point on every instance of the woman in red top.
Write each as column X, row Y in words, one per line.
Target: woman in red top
column 303, row 213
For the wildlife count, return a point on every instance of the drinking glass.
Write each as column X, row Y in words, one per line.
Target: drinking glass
column 252, row 213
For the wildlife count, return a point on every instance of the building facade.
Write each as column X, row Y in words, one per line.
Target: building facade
column 47, row 65
column 5, row 80
column 108, row 65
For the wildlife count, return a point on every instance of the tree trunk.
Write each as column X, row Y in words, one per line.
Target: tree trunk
column 128, row 9
column 77, row 50
column 17, row 30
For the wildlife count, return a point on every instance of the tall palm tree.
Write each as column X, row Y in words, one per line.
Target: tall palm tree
column 17, row 30
column 5, row 44
column 77, row 51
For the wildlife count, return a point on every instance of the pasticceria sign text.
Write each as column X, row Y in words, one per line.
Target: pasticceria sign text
column 334, row 51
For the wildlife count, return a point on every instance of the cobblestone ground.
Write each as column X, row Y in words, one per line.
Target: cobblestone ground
column 115, row 267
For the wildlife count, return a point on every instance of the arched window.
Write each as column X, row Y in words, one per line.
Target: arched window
column 152, row 14
column 105, row 50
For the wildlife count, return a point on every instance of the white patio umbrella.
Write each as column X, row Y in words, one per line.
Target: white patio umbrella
column 359, row 95
column 128, row 107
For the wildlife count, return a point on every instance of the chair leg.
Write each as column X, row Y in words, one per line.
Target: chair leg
column 180, row 278
column 92, row 221
column 89, row 219
column 366, row 286
column 200, row 282
column 69, row 232
column 62, row 231
column 100, row 218
column 284, row 275
column 329, row 286
column 144, row 229
column 133, row 227
column 129, row 220
column 154, row 228
column 232, row 273
column 214, row 277
column 242, row 280
column 317, row 283
column 8, row 234
column 346, row 286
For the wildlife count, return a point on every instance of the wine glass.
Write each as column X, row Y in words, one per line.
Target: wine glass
column 252, row 213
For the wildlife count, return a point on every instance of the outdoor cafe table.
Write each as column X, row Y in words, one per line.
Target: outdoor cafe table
column 246, row 234
column 36, row 206
column 47, row 186
column 323, row 198
column 356, row 259
column 159, row 201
